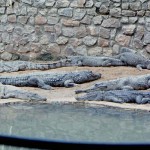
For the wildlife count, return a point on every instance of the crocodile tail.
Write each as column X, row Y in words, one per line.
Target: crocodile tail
column 58, row 64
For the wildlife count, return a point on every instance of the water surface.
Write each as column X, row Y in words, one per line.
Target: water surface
column 75, row 123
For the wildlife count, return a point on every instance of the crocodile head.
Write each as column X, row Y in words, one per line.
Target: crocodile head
column 96, row 87
column 101, row 86
column 35, row 97
column 92, row 96
column 86, row 76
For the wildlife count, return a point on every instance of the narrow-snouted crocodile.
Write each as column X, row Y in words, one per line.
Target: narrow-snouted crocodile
column 118, row 96
column 134, row 59
column 9, row 91
column 47, row 80
column 94, row 61
column 138, row 82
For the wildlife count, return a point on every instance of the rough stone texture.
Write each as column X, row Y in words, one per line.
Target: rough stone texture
column 95, row 51
column 115, row 12
column 104, row 33
column 40, row 20
column 89, row 40
column 111, row 22
column 67, row 12
column 73, row 27
column 70, row 22
column 52, row 20
column 123, row 40
column 81, row 50
column 97, row 20
column 129, row 29
column 68, row 32
column 6, row 56
column 62, row 40
column 103, row 42
column 147, row 38
column 53, row 49
column 79, row 14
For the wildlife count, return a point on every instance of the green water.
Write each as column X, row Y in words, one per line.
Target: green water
column 75, row 123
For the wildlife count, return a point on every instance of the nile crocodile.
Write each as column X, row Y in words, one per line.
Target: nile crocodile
column 118, row 96
column 9, row 91
column 138, row 82
column 47, row 80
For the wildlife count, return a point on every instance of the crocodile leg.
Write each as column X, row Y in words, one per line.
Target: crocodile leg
column 127, row 87
column 148, row 67
column 139, row 67
column 141, row 100
column 148, row 83
column 80, row 91
column 145, row 100
column 106, row 63
column 34, row 81
column 22, row 67
column 114, row 99
column 69, row 83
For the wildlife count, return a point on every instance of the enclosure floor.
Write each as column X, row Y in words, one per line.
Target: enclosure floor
column 67, row 95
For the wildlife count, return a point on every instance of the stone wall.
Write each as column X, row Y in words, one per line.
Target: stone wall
column 30, row 28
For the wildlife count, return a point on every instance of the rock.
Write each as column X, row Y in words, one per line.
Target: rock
column 89, row 40
column 6, row 56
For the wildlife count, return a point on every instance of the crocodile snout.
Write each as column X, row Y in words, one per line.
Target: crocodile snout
column 100, row 86
column 97, row 75
column 94, row 75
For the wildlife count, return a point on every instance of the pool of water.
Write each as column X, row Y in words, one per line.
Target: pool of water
column 75, row 122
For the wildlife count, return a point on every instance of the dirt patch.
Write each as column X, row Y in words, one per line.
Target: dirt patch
column 67, row 95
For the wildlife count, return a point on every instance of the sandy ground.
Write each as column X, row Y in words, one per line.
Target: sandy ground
column 67, row 95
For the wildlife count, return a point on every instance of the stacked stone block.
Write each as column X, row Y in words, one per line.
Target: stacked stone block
column 29, row 28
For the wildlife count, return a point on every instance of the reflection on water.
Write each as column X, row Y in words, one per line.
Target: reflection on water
column 75, row 123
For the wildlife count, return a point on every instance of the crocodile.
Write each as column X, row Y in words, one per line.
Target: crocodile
column 138, row 82
column 14, row 66
column 9, row 91
column 130, row 58
column 117, row 96
column 47, row 80
column 126, row 57
column 93, row 61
